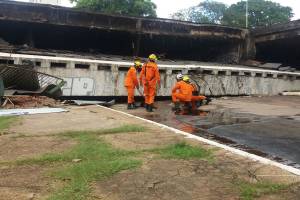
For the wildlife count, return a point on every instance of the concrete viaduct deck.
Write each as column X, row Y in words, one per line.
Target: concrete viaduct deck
column 105, row 78
column 71, row 29
column 279, row 43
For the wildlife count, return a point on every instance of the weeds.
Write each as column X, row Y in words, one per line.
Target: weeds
column 98, row 160
column 183, row 151
column 250, row 191
column 5, row 122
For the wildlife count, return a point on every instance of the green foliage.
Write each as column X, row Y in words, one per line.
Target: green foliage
column 250, row 191
column 261, row 13
column 143, row 8
column 97, row 160
column 5, row 122
column 205, row 12
column 184, row 151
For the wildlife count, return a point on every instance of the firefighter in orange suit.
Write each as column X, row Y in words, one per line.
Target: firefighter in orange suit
column 150, row 79
column 131, row 82
column 182, row 92
column 180, row 88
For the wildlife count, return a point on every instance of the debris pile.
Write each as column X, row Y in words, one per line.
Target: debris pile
column 24, row 79
column 26, row 101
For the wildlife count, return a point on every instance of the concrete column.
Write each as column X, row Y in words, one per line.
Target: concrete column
column 185, row 71
column 93, row 66
column 215, row 72
column 70, row 65
column 241, row 73
column 17, row 61
column 264, row 74
column 45, row 64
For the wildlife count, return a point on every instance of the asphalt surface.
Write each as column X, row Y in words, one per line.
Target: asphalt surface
column 264, row 131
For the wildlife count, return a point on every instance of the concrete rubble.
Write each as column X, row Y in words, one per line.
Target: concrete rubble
column 30, row 111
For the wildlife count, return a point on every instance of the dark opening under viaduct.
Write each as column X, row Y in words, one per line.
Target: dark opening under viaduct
column 279, row 43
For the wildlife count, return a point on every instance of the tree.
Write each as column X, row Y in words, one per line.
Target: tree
column 143, row 8
column 261, row 13
column 206, row 12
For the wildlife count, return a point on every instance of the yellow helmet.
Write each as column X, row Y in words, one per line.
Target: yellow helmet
column 137, row 63
column 186, row 78
column 152, row 57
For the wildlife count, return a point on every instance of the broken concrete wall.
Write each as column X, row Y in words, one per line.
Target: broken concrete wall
column 246, row 85
column 85, row 77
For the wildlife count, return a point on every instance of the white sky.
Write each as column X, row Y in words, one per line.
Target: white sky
column 166, row 7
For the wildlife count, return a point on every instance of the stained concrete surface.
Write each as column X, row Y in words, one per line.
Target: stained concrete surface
column 266, row 126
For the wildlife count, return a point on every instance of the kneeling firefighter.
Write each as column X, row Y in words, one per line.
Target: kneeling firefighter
column 182, row 92
column 131, row 82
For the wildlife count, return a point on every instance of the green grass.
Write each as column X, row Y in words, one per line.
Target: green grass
column 183, row 151
column 250, row 191
column 5, row 122
column 98, row 161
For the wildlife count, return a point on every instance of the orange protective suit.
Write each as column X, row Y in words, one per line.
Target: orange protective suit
column 149, row 77
column 196, row 98
column 182, row 91
column 131, row 82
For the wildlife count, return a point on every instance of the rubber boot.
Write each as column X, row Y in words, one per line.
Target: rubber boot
column 189, row 108
column 176, row 107
column 134, row 106
column 199, row 103
column 129, row 106
column 150, row 108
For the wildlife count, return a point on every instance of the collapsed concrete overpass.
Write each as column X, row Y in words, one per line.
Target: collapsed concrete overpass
column 92, row 51
column 279, row 43
column 51, row 27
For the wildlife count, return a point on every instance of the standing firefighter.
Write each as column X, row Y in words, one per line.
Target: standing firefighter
column 131, row 82
column 150, row 78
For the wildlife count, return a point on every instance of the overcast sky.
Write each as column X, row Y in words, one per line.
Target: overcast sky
column 167, row 7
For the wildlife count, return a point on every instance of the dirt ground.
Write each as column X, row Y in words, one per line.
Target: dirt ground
column 27, row 101
column 35, row 135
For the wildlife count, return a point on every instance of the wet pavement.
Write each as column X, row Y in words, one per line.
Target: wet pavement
column 272, row 135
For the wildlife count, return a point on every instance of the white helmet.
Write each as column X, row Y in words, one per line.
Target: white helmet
column 179, row 76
